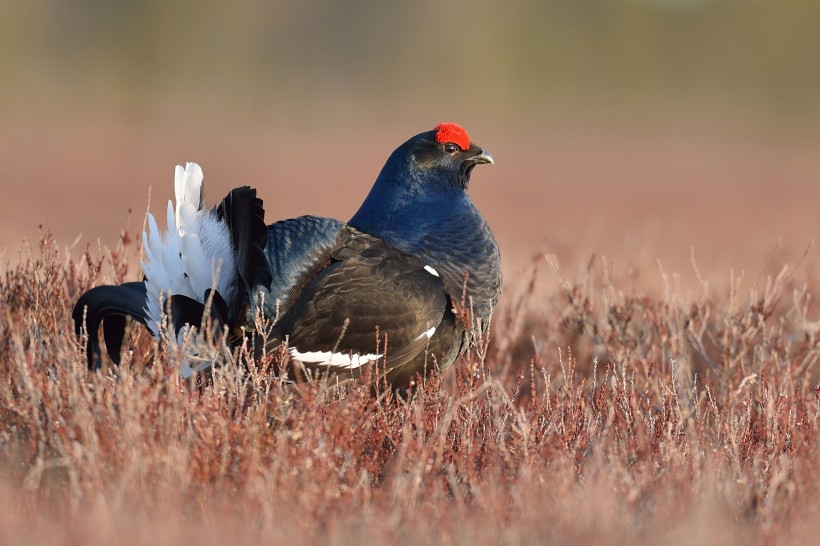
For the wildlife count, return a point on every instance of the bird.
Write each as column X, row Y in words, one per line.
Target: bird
column 400, row 287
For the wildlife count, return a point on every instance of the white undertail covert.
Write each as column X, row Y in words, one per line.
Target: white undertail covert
column 192, row 255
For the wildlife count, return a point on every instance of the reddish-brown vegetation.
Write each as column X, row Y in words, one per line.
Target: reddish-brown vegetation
column 597, row 415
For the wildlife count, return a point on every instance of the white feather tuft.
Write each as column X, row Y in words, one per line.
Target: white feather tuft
column 333, row 360
column 192, row 255
column 429, row 333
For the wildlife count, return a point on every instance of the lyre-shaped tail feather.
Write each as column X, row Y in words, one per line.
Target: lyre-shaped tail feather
column 109, row 306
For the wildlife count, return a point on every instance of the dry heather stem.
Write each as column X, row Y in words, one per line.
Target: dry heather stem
column 595, row 417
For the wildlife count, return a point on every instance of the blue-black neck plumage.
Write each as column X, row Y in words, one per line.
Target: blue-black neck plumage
column 407, row 203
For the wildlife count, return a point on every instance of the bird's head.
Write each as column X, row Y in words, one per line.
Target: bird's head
column 421, row 184
column 443, row 157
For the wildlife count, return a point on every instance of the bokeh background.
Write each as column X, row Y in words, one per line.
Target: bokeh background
column 637, row 130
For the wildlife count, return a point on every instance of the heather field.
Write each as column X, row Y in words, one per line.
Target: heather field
column 594, row 414
column 651, row 373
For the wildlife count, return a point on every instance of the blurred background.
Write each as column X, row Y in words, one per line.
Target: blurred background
column 631, row 129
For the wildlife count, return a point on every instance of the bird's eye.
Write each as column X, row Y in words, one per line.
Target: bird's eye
column 450, row 148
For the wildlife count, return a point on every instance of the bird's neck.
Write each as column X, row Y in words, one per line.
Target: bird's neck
column 444, row 229
column 403, row 214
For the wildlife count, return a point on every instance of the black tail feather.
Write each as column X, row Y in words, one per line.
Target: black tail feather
column 244, row 213
column 184, row 310
column 109, row 305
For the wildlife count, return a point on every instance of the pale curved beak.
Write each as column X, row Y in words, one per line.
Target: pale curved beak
column 483, row 157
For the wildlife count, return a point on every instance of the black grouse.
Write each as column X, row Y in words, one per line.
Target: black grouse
column 401, row 286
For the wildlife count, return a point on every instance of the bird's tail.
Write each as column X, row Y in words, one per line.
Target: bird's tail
column 193, row 255
column 212, row 258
